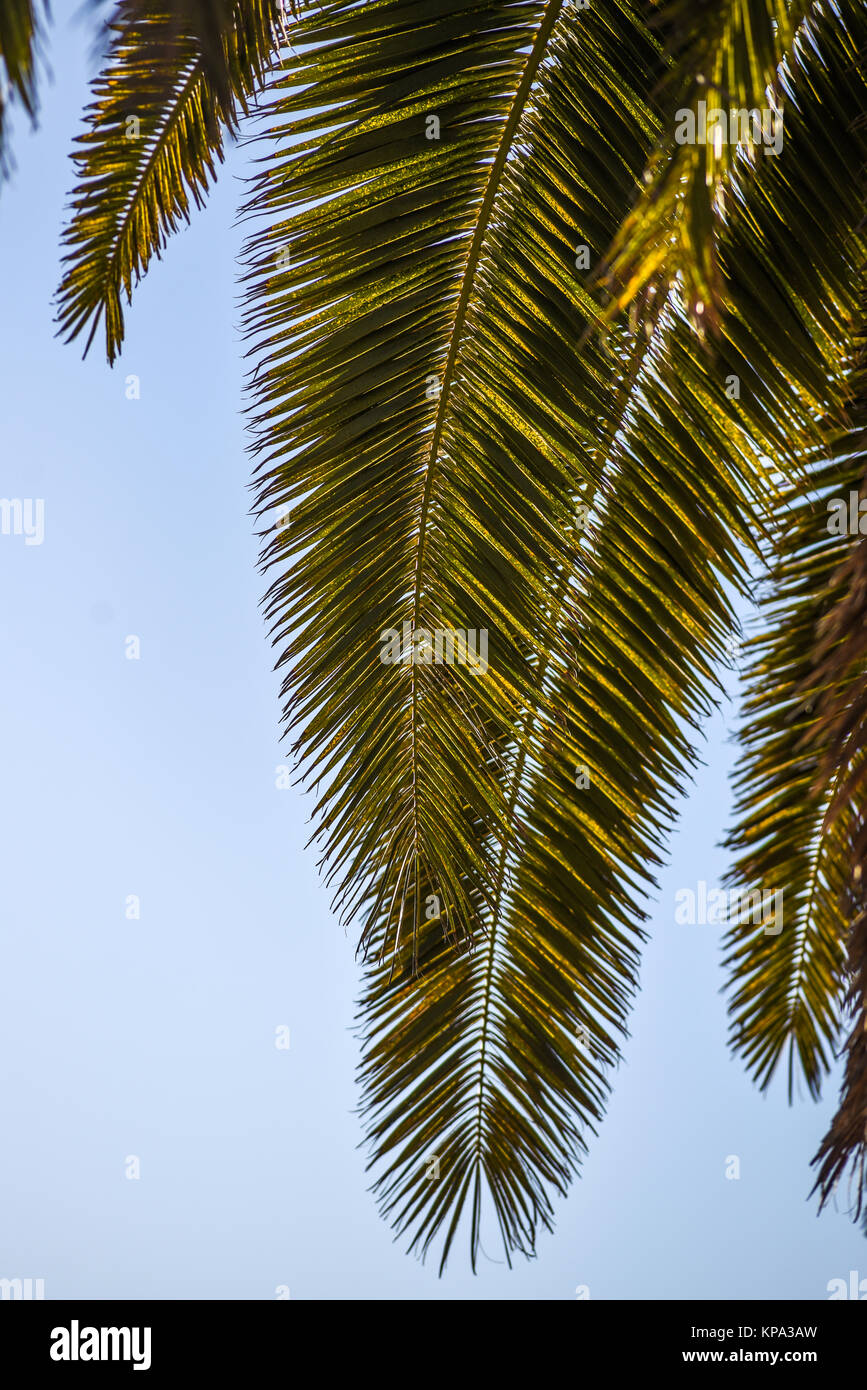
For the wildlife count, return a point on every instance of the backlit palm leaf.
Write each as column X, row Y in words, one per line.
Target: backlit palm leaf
column 795, row 829
column 726, row 54
column 177, row 74
column 19, row 34
column 448, row 438
column 840, row 674
column 487, row 1075
column 361, row 306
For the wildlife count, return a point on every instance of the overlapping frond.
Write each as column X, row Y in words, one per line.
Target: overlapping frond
column 19, row 36
column 486, row 1076
column 443, row 509
column 502, row 541
column 392, row 133
column 787, row 985
column 518, row 1080
column 178, row 74
column 535, row 1015
column 837, row 688
column 725, row 58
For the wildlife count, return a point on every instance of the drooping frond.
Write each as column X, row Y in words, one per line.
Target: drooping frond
column 787, row 975
column 19, row 35
column 421, row 422
column 845, row 1145
column 505, row 1095
column 393, row 134
column 723, row 105
column 803, row 989
column 177, row 75
column 502, row 541
column 786, row 984
column 485, row 1078
column 838, row 694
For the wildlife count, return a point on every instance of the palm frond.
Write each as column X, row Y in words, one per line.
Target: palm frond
column 838, row 693
column 485, row 1077
column 177, row 75
column 506, row 1094
column 494, row 1068
column 787, row 985
column 393, row 132
column 725, row 58
column 454, row 438
column 454, row 510
column 19, row 40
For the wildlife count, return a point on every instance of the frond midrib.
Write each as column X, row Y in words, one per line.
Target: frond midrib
column 627, row 389
column 492, row 187
column 795, row 994
column 180, row 97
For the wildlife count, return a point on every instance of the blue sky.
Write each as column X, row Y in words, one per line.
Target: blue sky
column 155, row 777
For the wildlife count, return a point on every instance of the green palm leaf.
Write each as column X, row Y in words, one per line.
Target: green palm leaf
column 786, row 988
column 498, row 1066
column 838, row 680
column 177, row 75
column 453, row 434
column 390, row 523
column 19, row 36
column 725, row 57
column 487, row 1075
column 794, row 829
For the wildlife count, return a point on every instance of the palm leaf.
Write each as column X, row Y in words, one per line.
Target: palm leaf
column 725, row 56
column 838, row 694
column 177, row 75
column 499, row 1065
column 495, row 1067
column 787, row 988
column 19, row 36
column 486, row 1076
column 448, row 512
column 447, row 441
column 389, row 524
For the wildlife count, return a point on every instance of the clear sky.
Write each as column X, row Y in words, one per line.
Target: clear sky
column 155, row 1038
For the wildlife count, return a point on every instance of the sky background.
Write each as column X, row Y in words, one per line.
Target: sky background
column 156, row 777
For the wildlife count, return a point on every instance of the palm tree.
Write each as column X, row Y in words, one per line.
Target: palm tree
column 527, row 362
